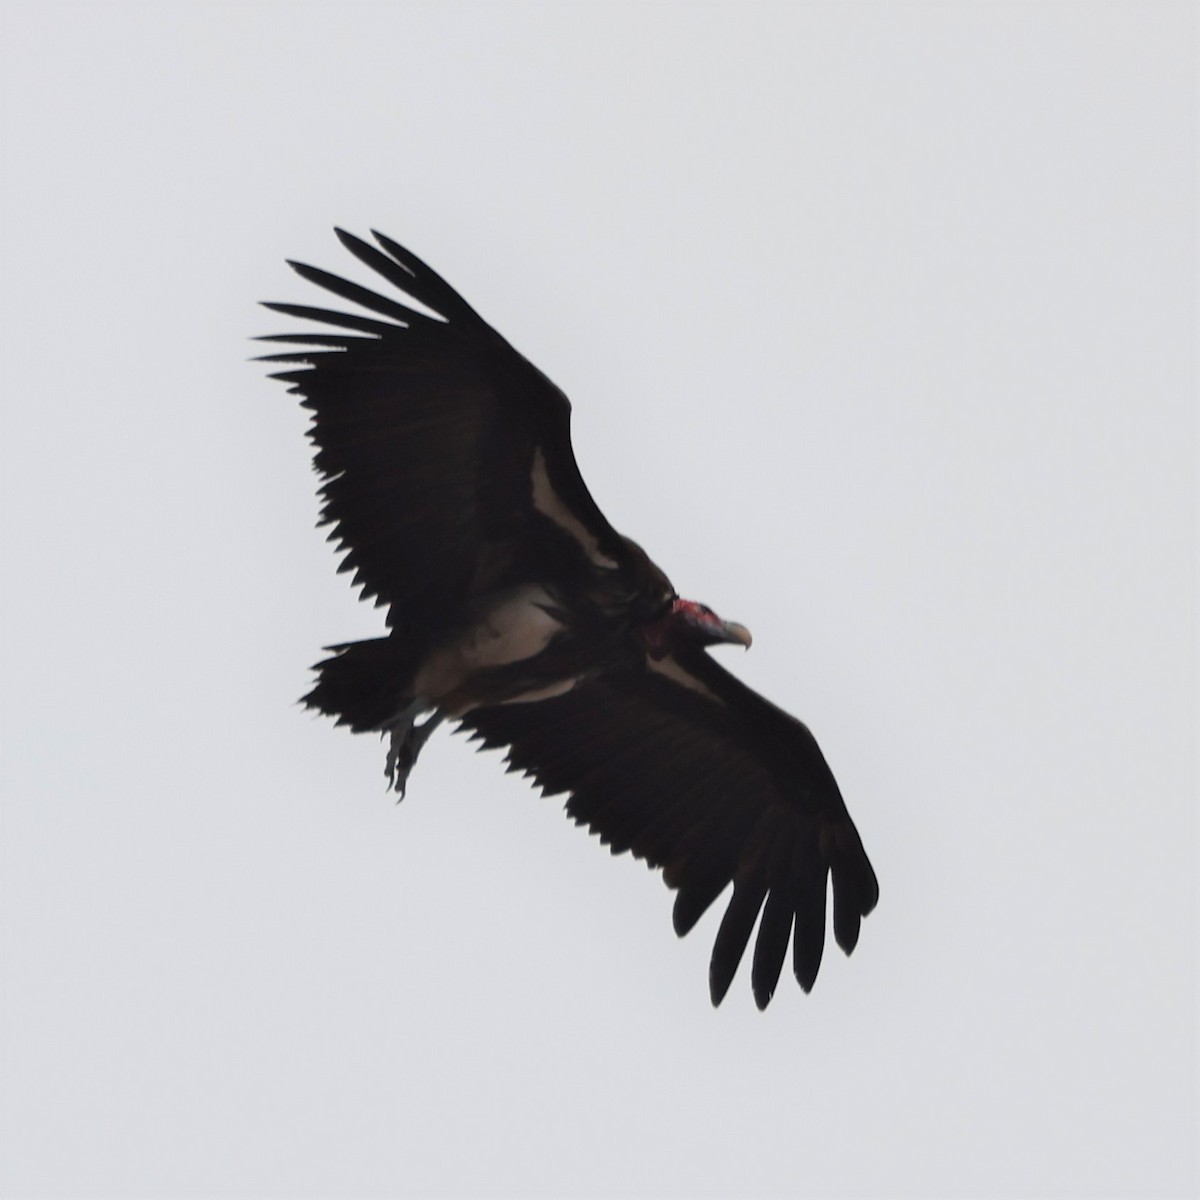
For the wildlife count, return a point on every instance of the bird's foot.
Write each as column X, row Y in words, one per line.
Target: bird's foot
column 406, row 739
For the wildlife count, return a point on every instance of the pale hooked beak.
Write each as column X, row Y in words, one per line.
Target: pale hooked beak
column 736, row 633
column 704, row 621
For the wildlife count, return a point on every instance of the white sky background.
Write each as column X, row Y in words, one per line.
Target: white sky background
column 878, row 323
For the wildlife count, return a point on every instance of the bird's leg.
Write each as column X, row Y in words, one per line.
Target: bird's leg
column 407, row 738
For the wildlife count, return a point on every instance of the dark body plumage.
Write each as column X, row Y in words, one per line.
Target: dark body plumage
column 515, row 608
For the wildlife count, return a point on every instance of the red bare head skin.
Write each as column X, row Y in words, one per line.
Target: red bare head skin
column 702, row 619
column 690, row 621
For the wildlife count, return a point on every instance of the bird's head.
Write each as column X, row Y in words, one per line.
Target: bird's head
column 692, row 622
column 704, row 625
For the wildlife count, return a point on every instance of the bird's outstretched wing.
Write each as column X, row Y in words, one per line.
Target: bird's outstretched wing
column 678, row 762
column 437, row 442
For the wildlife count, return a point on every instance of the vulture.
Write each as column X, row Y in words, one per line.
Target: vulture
column 517, row 611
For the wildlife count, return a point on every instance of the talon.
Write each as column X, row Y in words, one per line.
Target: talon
column 406, row 740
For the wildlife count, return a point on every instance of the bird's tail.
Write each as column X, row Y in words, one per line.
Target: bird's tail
column 364, row 684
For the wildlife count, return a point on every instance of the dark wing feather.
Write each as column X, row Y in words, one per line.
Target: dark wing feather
column 426, row 430
column 696, row 774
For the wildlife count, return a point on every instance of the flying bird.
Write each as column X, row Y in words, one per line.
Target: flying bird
column 516, row 610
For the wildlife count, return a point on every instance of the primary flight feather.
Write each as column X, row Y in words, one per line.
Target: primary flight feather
column 514, row 608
